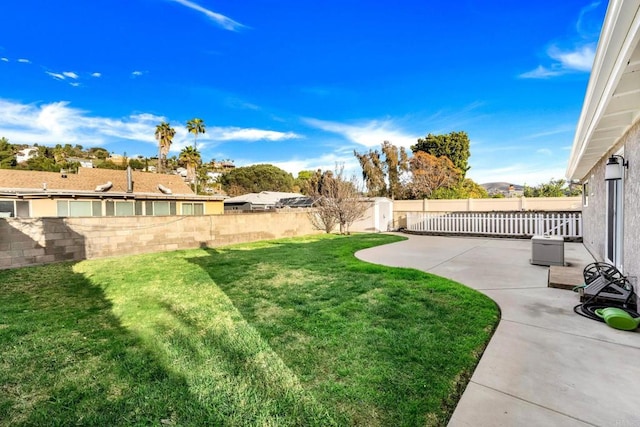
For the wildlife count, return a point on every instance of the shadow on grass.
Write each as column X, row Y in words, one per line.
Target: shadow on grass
column 288, row 332
column 377, row 345
column 66, row 360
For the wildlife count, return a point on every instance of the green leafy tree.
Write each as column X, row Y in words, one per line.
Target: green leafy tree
column 207, row 184
column 383, row 171
column 108, row 164
column 454, row 145
column 396, row 164
column 43, row 161
column 7, row 154
column 465, row 189
column 372, row 172
column 137, row 164
column 553, row 188
column 164, row 135
column 98, row 153
column 256, row 178
column 301, row 183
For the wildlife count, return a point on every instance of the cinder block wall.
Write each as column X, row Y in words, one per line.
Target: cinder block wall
column 32, row 241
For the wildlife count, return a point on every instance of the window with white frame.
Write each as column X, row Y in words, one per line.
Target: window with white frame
column 79, row 208
column 119, row 208
column 193, row 209
column 14, row 208
column 160, row 208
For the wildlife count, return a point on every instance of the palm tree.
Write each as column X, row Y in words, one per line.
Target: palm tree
column 196, row 126
column 190, row 157
column 164, row 135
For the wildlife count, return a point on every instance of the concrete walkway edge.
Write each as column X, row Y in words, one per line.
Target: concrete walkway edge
column 545, row 365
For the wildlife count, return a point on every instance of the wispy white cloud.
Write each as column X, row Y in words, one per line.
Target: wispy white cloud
column 541, row 73
column 250, row 134
column 369, row 134
column 96, row 75
column 217, row 18
column 237, row 103
column 586, row 27
column 56, row 76
column 58, row 122
column 44, row 124
column 137, row 73
column 64, row 76
column 578, row 57
column 558, row 130
column 4, row 59
column 324, row 162
column 544, row 151
column 24, row 61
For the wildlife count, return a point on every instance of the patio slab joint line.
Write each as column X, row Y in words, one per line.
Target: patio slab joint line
column 502, row 319
column 511, row 289
column 534, row 403
column 454, row 257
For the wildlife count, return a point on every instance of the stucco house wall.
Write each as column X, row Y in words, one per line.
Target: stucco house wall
column 609, row 125
column 594, row 214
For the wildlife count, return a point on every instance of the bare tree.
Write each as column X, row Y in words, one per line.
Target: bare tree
column 336, row 200
column 322, row 217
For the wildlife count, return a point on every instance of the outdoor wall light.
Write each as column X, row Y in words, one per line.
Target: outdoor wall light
column 613, row 169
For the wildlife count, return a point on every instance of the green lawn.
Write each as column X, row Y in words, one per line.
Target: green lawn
column 293, row 332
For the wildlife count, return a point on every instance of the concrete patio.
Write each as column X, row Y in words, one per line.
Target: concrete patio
column 545, row 365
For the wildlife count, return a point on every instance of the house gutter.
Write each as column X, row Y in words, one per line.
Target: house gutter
column 618, row 38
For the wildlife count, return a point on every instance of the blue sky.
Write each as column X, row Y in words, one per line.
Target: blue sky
column 301, row 84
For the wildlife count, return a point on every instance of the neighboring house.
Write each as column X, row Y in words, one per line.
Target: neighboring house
column 84, row 163
column 100, row 192
column 607, row 142
column 257, row 201
column 26, row 154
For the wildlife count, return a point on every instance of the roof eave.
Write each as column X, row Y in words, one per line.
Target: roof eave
column 618, row 41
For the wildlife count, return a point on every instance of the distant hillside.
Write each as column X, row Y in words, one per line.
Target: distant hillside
column 501, row 187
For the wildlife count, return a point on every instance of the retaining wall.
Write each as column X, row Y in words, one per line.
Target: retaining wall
column 32, row 241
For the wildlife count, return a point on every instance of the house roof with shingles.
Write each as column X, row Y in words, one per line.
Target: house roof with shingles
column 84, row 183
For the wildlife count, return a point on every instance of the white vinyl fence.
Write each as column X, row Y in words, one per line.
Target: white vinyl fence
column 516, row 224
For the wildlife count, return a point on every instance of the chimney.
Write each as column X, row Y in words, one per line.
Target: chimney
column 129, row 180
